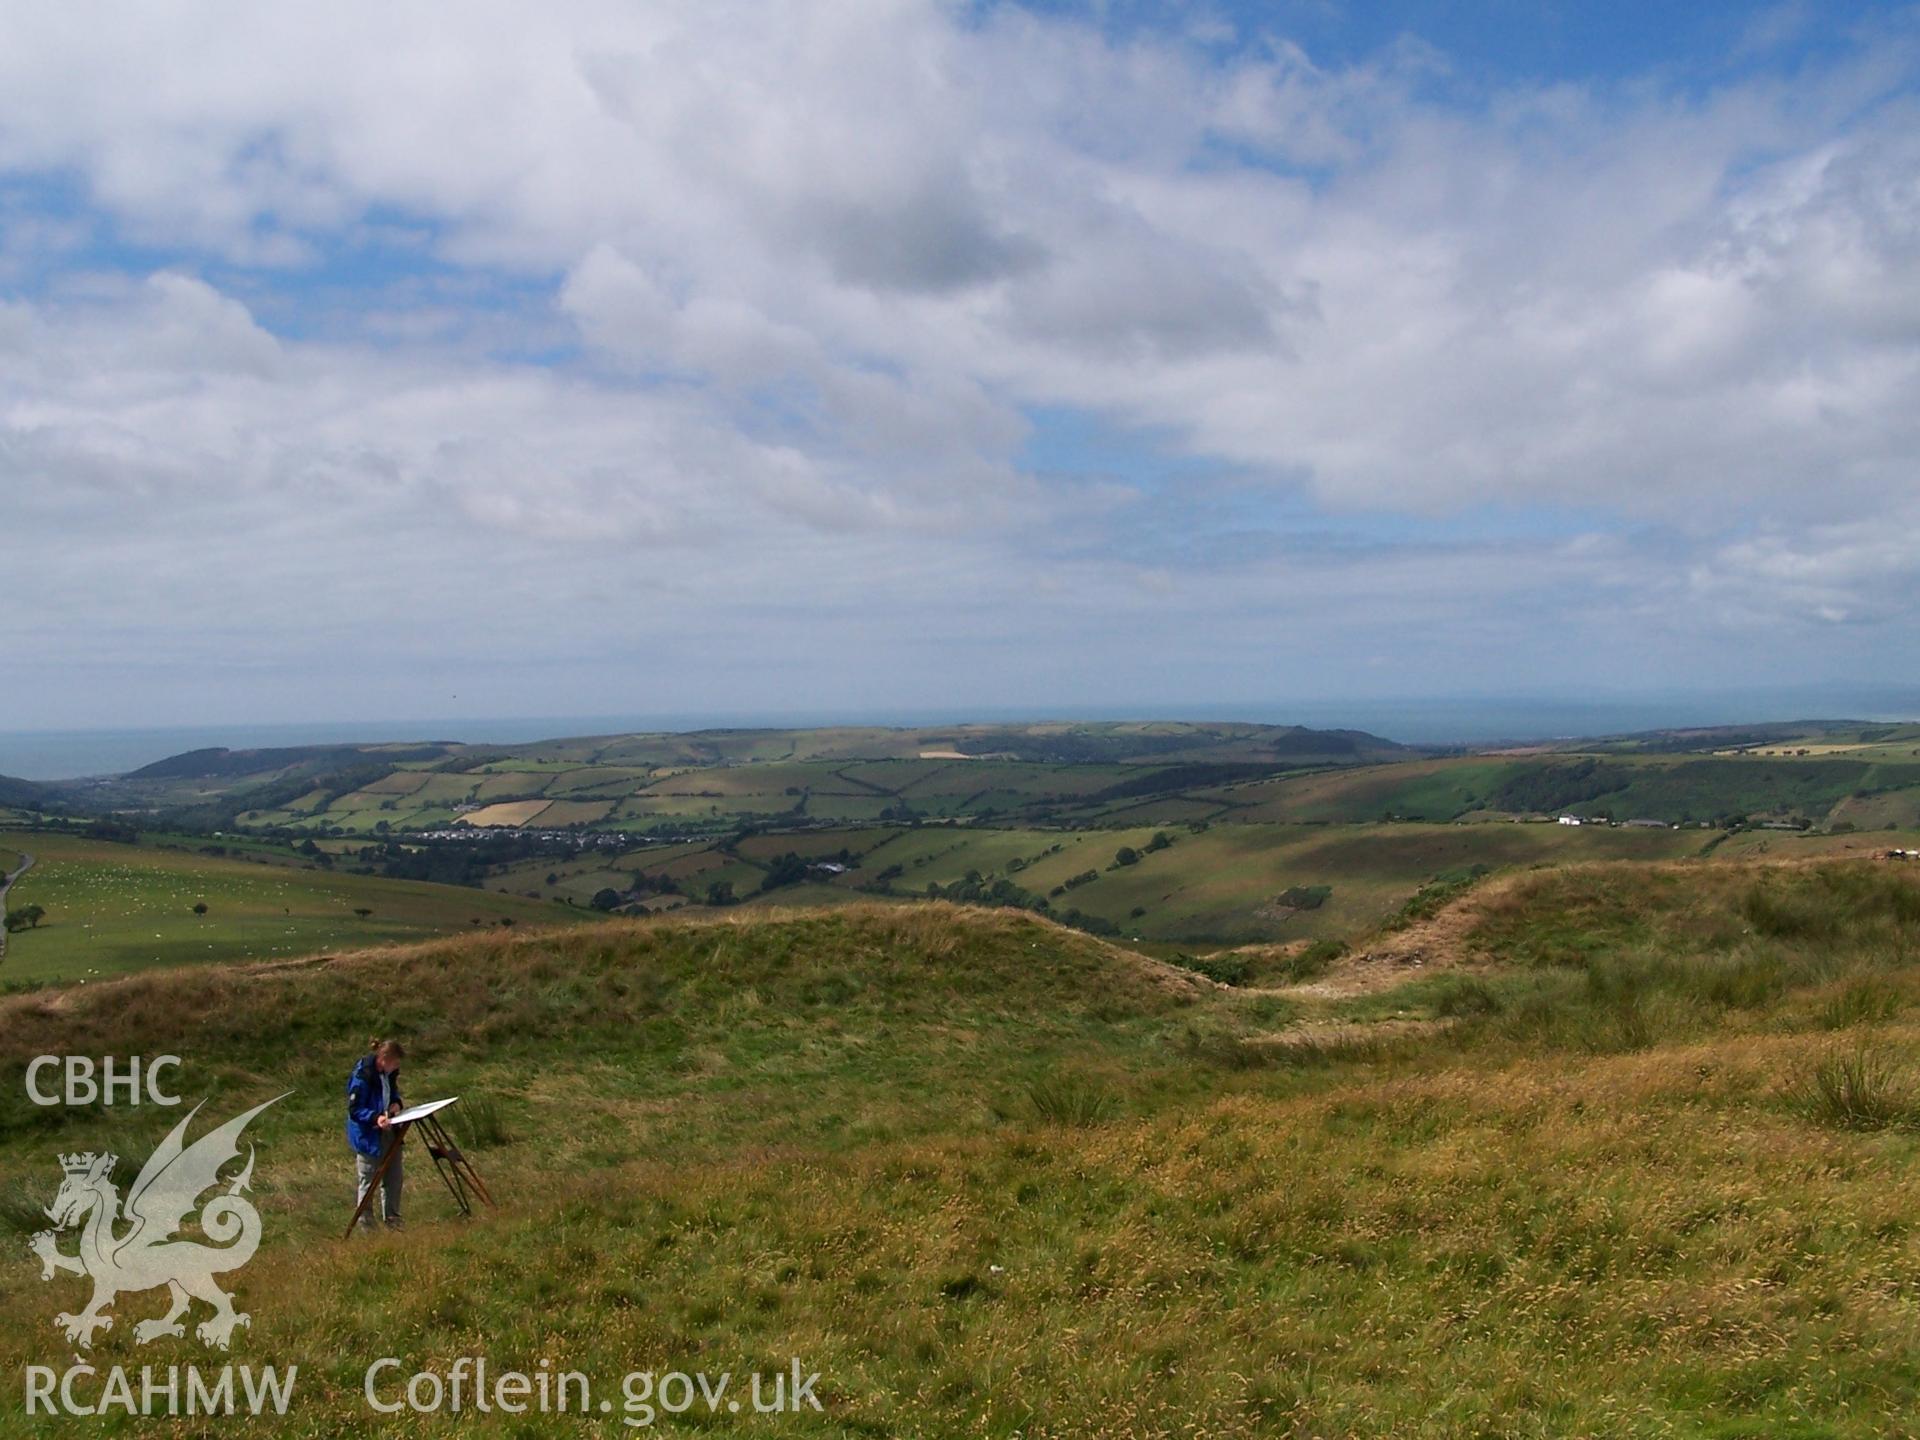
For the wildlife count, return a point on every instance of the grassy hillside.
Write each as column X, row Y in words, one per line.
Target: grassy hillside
column 114, row 907
column 1565, row 1158
column 1222, row 883
column 1675, row 788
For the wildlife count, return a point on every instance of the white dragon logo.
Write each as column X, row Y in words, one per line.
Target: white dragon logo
column 147, row 1256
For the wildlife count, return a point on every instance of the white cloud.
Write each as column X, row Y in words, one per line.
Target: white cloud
column 823, row 263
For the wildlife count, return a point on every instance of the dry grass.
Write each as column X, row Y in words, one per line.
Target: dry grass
column 991, row 1177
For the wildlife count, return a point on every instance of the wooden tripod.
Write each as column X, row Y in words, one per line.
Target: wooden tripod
column 453, row 1167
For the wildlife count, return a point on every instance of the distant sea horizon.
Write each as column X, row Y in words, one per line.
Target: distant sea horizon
column 1445, row 721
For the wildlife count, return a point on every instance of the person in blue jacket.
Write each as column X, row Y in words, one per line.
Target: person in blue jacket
column 373, row 1098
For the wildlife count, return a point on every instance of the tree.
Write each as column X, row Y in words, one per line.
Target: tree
column 362, row 911
column 1126, row 855
column 605, row 899
column 720, row 892
column 788, row 869
column 199, row 907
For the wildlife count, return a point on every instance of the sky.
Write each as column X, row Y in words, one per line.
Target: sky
column 876, row 357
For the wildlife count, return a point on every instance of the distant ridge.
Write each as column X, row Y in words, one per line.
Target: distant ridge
column 20, row 792
column 218, row 763
column 1060, row 742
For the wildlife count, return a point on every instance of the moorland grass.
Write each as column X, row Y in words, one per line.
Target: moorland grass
column 992, row 1177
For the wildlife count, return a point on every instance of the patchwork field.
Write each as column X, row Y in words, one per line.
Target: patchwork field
column 1169, row 835
column 1840, row 780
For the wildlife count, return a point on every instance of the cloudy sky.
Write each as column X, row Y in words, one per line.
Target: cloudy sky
column 365, row 361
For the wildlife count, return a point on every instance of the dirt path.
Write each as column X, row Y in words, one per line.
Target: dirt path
column 1384, row 961
column 6, row 884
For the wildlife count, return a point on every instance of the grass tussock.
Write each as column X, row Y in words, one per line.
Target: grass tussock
column 1857, row 1089
column 481, row 1121
column 1869, row 1000
column 1066, row 1099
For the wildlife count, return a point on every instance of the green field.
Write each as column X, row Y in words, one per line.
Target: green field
column 113, row 908
column 1596, row 1168
column 1065, row 776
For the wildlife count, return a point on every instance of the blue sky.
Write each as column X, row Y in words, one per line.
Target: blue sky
column 888, row 357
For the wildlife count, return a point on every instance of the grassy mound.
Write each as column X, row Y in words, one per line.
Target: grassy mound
column 855, row 1021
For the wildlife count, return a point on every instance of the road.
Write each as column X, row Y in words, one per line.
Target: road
column 6, row 884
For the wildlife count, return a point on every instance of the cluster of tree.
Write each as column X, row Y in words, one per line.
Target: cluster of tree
column 1092, row 924
column 25, row 917
column 461, row 862
column 1167, row 779
column 1557, row 785
column 975, row 889
column 313, row 852
column 1127, row 855
column 642, row 885
column 1305, row 897
column 787, row 869
column 443, row 864
column 1074, row 882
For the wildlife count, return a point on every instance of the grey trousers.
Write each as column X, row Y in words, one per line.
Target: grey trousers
column 389, row 1188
